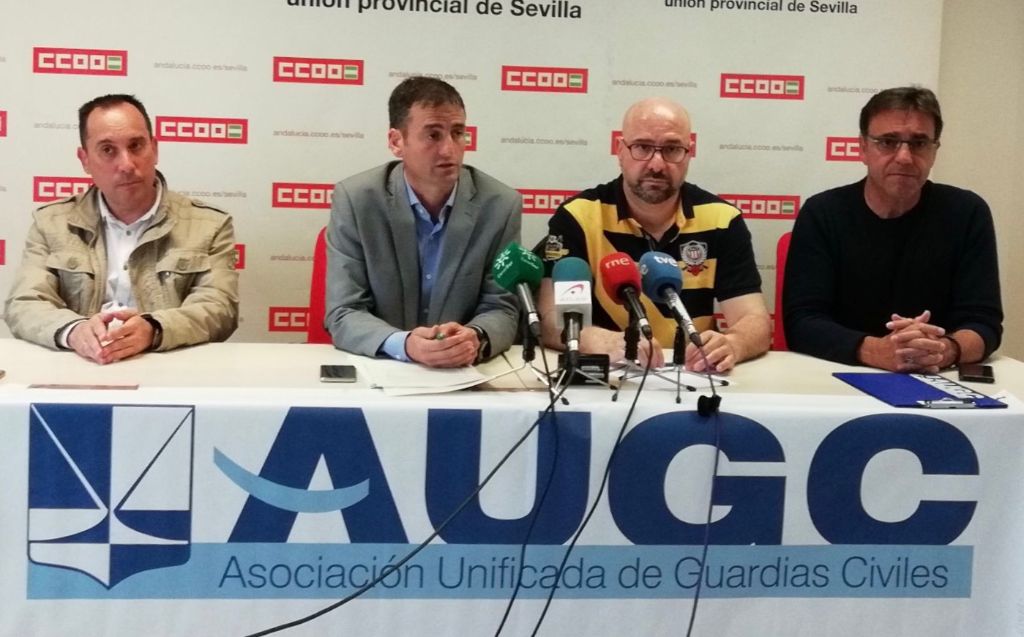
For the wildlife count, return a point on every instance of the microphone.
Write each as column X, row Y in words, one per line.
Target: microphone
column 571, row 279
column 518, row 270
column 662, row 282
column 621, row 281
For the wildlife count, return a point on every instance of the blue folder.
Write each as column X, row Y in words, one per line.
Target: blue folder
column 928, row 391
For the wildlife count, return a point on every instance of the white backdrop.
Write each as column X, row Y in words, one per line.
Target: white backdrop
column 218, row 60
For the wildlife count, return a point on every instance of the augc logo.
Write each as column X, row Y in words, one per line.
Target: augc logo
column 79, row 61
column 202, row 130
column 544, row 79
column 763, row 87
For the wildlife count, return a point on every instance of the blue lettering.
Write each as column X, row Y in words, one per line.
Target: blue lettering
column 834, row 479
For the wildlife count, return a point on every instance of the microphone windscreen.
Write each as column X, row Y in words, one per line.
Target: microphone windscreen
column 618, row 271
column 659, row 271
column 571, row 269
column 515, row 264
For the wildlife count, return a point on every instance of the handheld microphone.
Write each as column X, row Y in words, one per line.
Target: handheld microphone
column 518, row 270
column 621, row 280
column 662, row 282
column 571, row 278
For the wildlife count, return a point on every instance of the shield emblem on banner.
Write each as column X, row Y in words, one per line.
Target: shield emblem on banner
column 110, row 488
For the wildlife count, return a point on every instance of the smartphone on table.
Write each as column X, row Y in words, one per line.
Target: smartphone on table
column 337, row 373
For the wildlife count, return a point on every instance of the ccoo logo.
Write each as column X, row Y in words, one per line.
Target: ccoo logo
column 3, row 123
column 842, row 149
column 543, row 201
column 765, row 206
column 202, row 130
column 79, row 61
column 763, row 87
column 110, row 488
column 297, row 195
column 288, row 319
column 45, row 189
column 544, row 79
column 318, row 70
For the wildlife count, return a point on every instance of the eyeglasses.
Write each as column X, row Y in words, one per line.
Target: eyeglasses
column 917, row 145
column 671, row 153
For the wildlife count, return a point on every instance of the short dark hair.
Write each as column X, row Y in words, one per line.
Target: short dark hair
column 902, row 98
column 428, row 91
column 105, row 102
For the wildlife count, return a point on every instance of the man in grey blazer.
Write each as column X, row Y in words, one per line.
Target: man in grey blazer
column 411, row 243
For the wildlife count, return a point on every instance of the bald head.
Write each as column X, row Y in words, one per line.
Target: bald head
column 654, row 154
column 657, row 113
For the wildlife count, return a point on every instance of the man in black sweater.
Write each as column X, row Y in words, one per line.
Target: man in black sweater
column 895, row 271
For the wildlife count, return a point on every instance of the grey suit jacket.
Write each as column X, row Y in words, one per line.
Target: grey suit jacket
column 373, row 272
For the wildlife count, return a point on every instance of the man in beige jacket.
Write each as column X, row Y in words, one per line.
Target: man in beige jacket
column 127, row 266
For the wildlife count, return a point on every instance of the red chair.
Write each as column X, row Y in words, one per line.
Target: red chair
column 315, row 332
column 781, row 251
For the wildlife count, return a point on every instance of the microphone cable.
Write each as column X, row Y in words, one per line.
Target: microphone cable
column 430, row 538
column 543, row 496
column 597, row 497
column 707, row 523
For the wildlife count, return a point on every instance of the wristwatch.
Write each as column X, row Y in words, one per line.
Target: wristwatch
column 483, row 352
column 158, row 331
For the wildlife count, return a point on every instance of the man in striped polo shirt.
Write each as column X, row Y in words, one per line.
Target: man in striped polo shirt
column 649, row 207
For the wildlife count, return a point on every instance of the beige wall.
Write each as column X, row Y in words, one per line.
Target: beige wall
column 981, row 87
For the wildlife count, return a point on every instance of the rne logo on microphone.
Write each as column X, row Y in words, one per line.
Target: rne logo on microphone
column 79, row 61
column 239, row 256
column 538, row 201
column 617, row 139
column 318, row 70
column 544, row 79
column 614, row 263
column 202, row 130
column 298, row 195
column 762, row 87
column 842, row 149
column 470, row 138
column 765, row 206
column 46, row 189
column 287, row 319
column 3, row 123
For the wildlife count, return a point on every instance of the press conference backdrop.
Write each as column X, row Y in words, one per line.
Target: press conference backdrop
column 260, row 106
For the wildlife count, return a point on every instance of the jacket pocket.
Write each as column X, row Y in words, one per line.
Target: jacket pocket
column 177, row 271
column 76, row 278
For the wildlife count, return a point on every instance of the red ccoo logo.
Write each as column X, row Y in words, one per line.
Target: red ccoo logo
column 46, row 189
column 288, row 319
column 203, row 130
column 842, row 149
column 3, row 123
column 3, row 252
column 79, row 61
column 471, row 138
column 762, row 87
column 543, row 201
column 766, row 206
column 544, row 79
column 239, row 256
column 617, row 139
column 318, row 70
column 293, row 195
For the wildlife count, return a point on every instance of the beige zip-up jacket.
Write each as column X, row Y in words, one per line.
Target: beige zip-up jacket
column 182, row 272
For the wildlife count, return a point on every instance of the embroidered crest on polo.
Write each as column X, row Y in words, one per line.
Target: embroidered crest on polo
column 554, row 248
column 694, row 254
column 110, row 488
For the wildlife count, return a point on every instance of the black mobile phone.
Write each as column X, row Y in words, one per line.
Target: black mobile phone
column 975, row 373
column 337, row 373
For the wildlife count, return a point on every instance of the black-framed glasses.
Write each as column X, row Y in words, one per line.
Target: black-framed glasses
column 889, row 144
column 672, row 153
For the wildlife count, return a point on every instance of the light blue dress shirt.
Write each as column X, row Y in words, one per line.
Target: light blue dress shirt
column 429, row 241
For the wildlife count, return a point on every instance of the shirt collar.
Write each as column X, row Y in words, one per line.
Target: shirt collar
column 421, row 210
column 109, row 218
